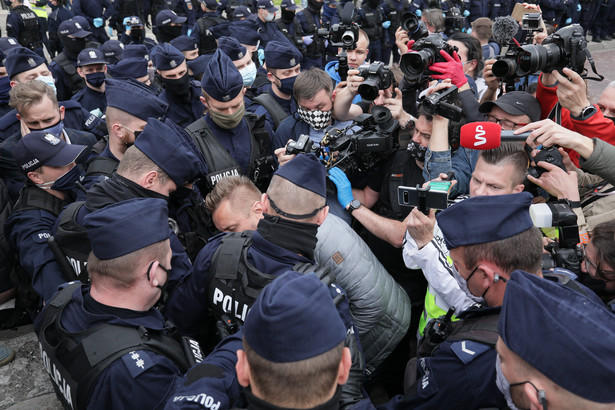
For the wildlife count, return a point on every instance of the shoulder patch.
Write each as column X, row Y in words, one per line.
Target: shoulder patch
column 468, row 350
column 426, row 383
column 40, row 237
column 137, row 362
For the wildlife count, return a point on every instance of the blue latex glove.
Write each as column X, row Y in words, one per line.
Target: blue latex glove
column 568, row 21
column 469, row 31
column 261, row 55
column 98, row 22
column 579, row 7
column 307, row 40
column 386, row 24
column 418, row 13
column 125, row 22
column 466, row 13
column 189, row 32
column 344, row 190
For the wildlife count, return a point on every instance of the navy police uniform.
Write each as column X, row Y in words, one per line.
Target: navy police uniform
column 64, row 65
column 288, row 24
column 89, row 98
column 23, row 25
column 310, row 23
column 92, row 10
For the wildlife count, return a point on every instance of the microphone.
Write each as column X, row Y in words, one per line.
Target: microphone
column 504, row 29
column 487, row 135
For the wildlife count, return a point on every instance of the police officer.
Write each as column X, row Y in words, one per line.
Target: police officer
column 311, row 21
column 96, row 12
column 229, row 7
column 168, row 26
column 283, row 63
column 59, row 13
column 112, row 50
column 64, row 65
column 330, row 16
column 246, row 32
column 265, row 18
column 371, row 18
column 128, row 8
column 92, row 67
column 242, row 58
column 185, row 8
column 197, row 66
column 181, row 94
column 5, row 85
column 232, row 140
column 289, row 25
column 135, row 33
column 130, row 68
column 187, row 45
column 207, row 28
column 23, row 25
column 143, row 354
column 48, row 163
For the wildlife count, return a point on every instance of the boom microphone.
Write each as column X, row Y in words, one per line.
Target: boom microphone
column 504, row 29
column 487, row 135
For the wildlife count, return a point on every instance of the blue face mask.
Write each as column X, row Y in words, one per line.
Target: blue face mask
column 54, row 129
column 65, row 183
column 248, row 73
column 5, row 87
column 95, row 79
column 287, row 84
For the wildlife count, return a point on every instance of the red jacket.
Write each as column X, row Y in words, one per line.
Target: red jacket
column 594, row 126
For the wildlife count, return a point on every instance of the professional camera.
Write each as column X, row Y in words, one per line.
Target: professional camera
column 360, row 146
column 377, row 77
column 303, row 145
column 343, row 35
column 426, row 51
column 454, row 22
column 442, row 103
column 531, row 22
column 413, row 26
column 546, row 154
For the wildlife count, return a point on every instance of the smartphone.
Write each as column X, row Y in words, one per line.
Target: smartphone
column 434, row 197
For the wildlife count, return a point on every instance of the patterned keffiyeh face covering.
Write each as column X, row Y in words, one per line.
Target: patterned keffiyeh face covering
column 316, row 119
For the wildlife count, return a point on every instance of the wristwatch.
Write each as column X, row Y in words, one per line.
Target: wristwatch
column 354, row 205
column 586, row 113
column 571, row 204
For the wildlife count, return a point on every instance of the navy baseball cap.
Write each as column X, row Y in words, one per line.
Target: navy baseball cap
column 184, row 43
column 136, row 51
column 266, row 5
column 128, row 68
column 124, row 227
column 199, row 64
column 134, row 98
column 21, row 59
column 562, row 333
column 484, row 219
column 72, row 28
column 282, row 54
column 241, row 12
column 289, row 5
column 515, row 103
column 210, row 4
column 307, row 172
column 134, row 21
column 165, row 17
column 83, row 22
column 44, row 148
column 7, row 43
column 246, row 31
column 294, row 318
column 168, row 57
column 221, row 79
column 89, row 56
column 165, row 145
column 112, row 50
column 232, row 48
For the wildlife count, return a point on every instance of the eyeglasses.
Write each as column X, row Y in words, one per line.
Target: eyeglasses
column 506, row 124
column 609, row 275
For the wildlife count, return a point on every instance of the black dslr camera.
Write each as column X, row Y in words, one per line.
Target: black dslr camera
column 546, row 154
column 303, row 145
column 454, row 22
column 442, row 103
column 360, row 146
column 413, row 26
column 426, row 52
column 377, row 77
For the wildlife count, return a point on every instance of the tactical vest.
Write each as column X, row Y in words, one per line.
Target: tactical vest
column 73, row 240
column 317, row 48
column 104, row 166
column 75, row 360
column 292, row 37
column 207, row 41
column 156, row 6
column 221, row 164
column 273, row 108
column 75, row 82
column 131, row 8
column 232, row 5
column 29, row 35
column 395, row 14
column 372, row 23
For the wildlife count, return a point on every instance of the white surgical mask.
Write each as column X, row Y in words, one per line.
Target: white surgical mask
column 503, row 385
column 463, row 285
column 248, row 73
column 270, row 16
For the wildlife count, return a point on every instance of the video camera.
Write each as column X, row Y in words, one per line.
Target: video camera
column 377, row 77
column 454, row 22
column 425, row 52
column 343, row 35
column 359, row 151
column 303, row 145
column 442, row 103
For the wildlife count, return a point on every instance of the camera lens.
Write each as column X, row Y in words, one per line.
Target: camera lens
column 533, row 58
column 409, row 22
column 369, row 89
column 415, row 63
column 506, row 67
column 348, row 38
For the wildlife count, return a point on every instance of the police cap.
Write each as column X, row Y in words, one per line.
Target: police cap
column 307, row 172
column 246, row 31
column 21, row 59
column 294, row 318
column 210, row 4
column 128, row 68
column 241, row 12
column 199, row 64
column 44, row 148
column 165, row 17
column 136, row 51
column 282, row 54
column 112, row 50
column 7, row 43
column 72, row 28
column 184, row 43
column 289, row 5
column 135, row 98
column 231, row 48
column 266, row 5
column 221, row 79
column 124, row 227
column 168, row 57
column 89, row 56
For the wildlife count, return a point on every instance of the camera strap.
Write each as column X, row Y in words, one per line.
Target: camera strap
column 592, row 63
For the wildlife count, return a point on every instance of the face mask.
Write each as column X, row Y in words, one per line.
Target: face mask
column 136, row 34
column 270, row 16
column 288, row 15
column 179, row 87
column 286, row 84
column 55, row 129
column 329, row 11
column 463, row 285
column 316, row 119
column 73, row 46
column 47, row 79
column 5, row 88
column 65, row 183
column 503, row 384
column 164, row 293
column 95, row 79
column 168, row 33
column 315, row 5
column 248, row 73
column 417, row 151
column 135, row 133
column 227, row 121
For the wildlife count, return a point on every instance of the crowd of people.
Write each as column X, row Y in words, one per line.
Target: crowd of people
column 297, row 212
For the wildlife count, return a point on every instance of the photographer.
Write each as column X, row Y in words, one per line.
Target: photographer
column 471, row 55
column 599, row 255
column 356, row 57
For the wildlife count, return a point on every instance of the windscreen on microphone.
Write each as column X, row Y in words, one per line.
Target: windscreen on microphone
column 504, row 29
column 487, row 135
column 347, row 13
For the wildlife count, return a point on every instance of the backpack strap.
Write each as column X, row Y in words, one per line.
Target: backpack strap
column 273, row 108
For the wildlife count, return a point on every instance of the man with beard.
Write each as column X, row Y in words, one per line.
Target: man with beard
column 310, row 23
column 92, row 67
column 168, row 26
column 181, row 94
column 64, row 65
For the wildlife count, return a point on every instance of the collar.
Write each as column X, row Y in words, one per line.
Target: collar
column 256, row 403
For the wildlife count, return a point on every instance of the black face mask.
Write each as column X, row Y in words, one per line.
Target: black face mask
column 287, row 15
column 136, row 34
column 315, row 5
column 73, row 46
column 179, row 87
column 372, row 4
column 168, row 33
column 164, row 293
column 417, row 151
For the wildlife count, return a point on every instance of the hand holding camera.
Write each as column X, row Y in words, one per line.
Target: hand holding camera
column 452, row 69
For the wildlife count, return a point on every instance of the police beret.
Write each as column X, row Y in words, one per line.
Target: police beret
column 112, row 50
column 72, row 28
column 124, row 227
column 136, row 51
column 21, row 59
column 282, row 54
column 165, row 145
column 562, row 333
column 184, row 43
column 199, row 64
column 221, row 79
column 267, row 5
column 294, row 318
column 289, row 5
column 484, row 219
column 135, row 98
column 166, row 16
column 241, row 12
column 89, row 56
column 515, row 103
column 246, row 31
column 168, row 57
column 7, row 43
column 128, row 68
column 232, row 48
column 307, row 172
column 44, row 148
